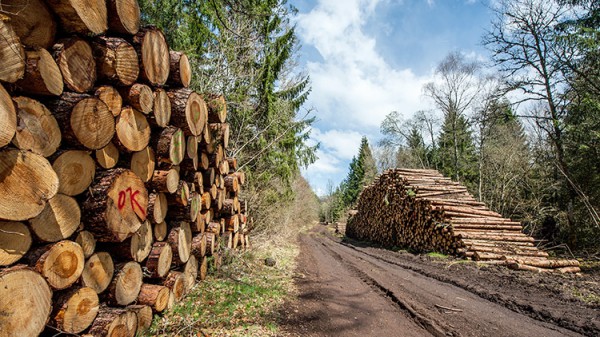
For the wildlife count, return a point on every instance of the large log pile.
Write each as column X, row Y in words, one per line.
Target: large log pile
column 425, row 211
column 115, row 187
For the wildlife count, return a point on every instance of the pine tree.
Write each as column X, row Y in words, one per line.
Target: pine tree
column 368, row 162
column 456, row 151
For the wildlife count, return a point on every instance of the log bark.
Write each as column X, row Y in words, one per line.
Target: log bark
column 139, row 96
column 27, row 182
column 198, row 247
column 180, row 240
column 26, row 301
column 157, row 207
column 12, row 54
column 153, row 54
column 132, row 130
column 189, row 111
column 98, row 272
column 8, row 117
column 159, row 260
column 15, row 241
column 123, row 16
column 87, row 242
column 180, row 72
column 170, row 146
column 81, row 16
column 32, row 21
column 37, row 130
column 125, row 285
column 136, row 248
column 76, row 63
column 85, row 120
column 58, row 221
column 116, row 60
column 203, row 268
column 144, row 317
column 75, row 171
column 74, row 310
column 116, row 205
column 42, row 75
column 176, row 282
column 111, row 97
column 155, row 296
column 108, row 156
column 220, row 134
column 143, row 163
column 165, row 181
column 114, row 322
column 61, row 263
column 217, row 108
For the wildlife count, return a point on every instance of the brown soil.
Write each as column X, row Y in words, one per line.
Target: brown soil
column 352, row 289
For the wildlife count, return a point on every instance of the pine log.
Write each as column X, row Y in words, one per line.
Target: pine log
column 153, row 54
column 139, row 96
column 98, row 272
column 233, row 164
column 61, row 263
column 12, row 54
column 159, row 260
column 26, row 302
column 37, row 129
column 160, row 231
column 74, row 310
column 180, row 73
column 192, row 150
column 203, row 161
column 81, row 16
column 75, row 171
column 125, row 285
column 76, row 63
column 549, row 263
column 217, row 108
column 111, row 97
column 116, row 205
column 229, row 206
column 8, row 117
column 208, row 177
column 155, row 296
column 144, row 317
column 232, row 223
column 87, row 242
column 227, row 240
column 170, row 146
column 123, row 16
column 181, row 196
column 189, row 111
column 205, row 201
column 176, row 282
column 211, row 241
column 157, row 207
column 58, row 221
column 190, row 273
column 220, row 133
column 27, row 181
column 143, row 163
column 165, row 181
column 241, row 177
column 232, row 184
column 15, row 241
column 180, row 240
column 203, row 268
column 132, row 130
column 116, row 60
column 114, row 322
column 84, row 120
column 32, row 21
column 198, row 248
column 42, row 75
column 108, row 156
column 136, row 248
column 162, row 109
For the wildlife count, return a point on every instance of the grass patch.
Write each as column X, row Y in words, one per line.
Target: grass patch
column 241, row 299
column 437, row 255
column 586, row 296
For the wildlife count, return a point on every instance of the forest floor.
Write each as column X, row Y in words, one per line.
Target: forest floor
column 348, row 288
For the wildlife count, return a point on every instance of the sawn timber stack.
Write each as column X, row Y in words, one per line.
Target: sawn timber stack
column 425, row 211
column 115, row 182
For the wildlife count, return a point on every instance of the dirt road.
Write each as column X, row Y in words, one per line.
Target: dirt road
column 347, row 290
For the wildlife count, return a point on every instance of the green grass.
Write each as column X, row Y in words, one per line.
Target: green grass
column 437, row 255
column 241, row 299
column 586, row 296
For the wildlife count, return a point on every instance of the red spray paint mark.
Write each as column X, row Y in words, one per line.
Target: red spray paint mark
column 132, row 200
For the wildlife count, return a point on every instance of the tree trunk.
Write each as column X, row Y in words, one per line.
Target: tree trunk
column 42, row 75
column 116, row 60
column 84, row 120
column 15, row 241
column 155, row 296
column 75, row 171
column 37, row 28
column 61, row 263
column 165, row 181
column 108, row 156
column 133, row 131
column 26, row 301
column 170, row 146
column 125, row 286
column 98, row 272
column 37, row 129
column 143, row 163
column 114, row 322
column 76, row 63
column 139, row 96
column 74, row 310
column 58, row 221
column 153, row 54
column 12, row 54
column 180, row 239
column 162, row 109
column 189, row 111
column 180, row 73
column 111, row 97
column 81, row 16
column 123, row 16
column 87, row 242
column 159, row 260
column 115, row 206
column 28, row 182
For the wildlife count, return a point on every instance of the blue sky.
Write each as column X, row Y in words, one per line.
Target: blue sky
column 367, row 58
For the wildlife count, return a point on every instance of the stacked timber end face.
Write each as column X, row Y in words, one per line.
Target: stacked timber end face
column 425, row 211
column 115, row 187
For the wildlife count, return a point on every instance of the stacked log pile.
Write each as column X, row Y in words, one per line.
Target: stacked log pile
column 115, row 187
column 425, row 211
